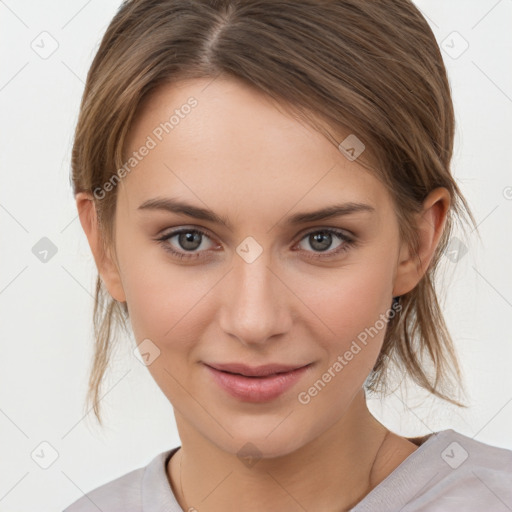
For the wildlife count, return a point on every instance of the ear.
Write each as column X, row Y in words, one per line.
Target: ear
column 107, row 267
column 430, row 224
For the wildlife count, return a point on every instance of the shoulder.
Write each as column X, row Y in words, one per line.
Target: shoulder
column 122, row 493
column 477, row 453
column 448, row 471
column 473, row 473
column 125, row 493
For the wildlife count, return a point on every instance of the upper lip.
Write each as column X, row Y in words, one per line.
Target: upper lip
column 254, row 371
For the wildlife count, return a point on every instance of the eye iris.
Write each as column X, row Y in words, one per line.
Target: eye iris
column 324, row 239
column 190, row 240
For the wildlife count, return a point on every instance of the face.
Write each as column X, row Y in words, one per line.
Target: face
column 254, row 280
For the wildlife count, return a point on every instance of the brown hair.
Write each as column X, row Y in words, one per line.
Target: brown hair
column 371, row 65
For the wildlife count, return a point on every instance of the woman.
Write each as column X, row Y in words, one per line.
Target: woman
column 266, row 189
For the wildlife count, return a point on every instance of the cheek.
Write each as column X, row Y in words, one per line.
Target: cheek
column 166, row 301
column 350, row 299
column 353, row 304
column 170, row 309
column 169, row 306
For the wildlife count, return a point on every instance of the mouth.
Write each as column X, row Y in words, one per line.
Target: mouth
column 256, row 384
column 255, row 371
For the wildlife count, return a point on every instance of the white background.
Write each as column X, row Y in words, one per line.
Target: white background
column 46, row 308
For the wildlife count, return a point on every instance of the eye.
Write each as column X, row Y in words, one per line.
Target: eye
column 191, row 243
column 322, row 240
column 188, row 240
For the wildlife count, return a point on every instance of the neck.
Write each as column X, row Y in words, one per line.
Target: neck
column 332, row 472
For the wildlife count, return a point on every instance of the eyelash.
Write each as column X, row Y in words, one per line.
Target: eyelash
column 348, row 243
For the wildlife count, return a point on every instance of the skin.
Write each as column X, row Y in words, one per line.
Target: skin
column 239, row 155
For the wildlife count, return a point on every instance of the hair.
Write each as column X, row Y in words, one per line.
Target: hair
column 335, row 64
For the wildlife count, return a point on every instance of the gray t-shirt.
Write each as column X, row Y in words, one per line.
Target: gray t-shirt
column 449, row 471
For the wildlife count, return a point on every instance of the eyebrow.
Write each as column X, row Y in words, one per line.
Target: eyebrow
column 181, row 207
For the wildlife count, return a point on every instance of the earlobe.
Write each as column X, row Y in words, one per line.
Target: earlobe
column 107, row 267
column 430, row 223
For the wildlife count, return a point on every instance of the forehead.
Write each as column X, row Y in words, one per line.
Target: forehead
column 219, row 136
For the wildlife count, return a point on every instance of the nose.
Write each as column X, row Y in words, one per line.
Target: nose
column 256, row 303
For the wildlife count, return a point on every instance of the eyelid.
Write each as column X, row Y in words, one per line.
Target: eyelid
column 348, row 241
column 334, row 229
column 347, row 238
column 176, row 230
column 172, row 232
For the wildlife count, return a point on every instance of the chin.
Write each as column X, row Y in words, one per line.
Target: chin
column 265, row 439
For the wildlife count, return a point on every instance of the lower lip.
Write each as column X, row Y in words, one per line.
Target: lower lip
column 257, row 389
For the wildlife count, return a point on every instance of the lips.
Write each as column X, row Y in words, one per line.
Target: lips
column 255, row 371
column 256, row 383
